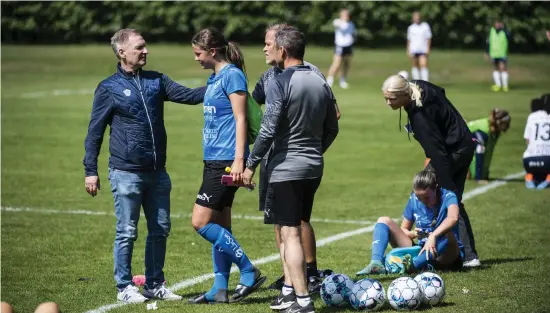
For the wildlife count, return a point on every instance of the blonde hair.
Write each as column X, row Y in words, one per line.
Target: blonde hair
column 400, row 86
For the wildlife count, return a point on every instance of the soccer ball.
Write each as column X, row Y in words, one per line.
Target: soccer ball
column 404, row 74
column 336, row 289
column 432, row 287
column 367, row 295
column 404, row 294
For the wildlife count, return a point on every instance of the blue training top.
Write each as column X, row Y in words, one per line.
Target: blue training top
column 425, row 218
column 220, row 132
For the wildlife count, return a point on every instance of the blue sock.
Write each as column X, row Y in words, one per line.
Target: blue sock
column 222, row 267
column 441, row 245
column 223, row 240
column 380, row 240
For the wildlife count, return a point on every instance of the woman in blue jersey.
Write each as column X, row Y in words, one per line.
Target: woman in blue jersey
column 225, row 145
column 434, row 210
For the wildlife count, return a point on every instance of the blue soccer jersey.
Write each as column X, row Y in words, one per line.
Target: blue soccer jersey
column 220, row 133
column 429, row 219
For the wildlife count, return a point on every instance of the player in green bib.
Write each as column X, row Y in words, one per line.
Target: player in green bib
column 497, row 50
column 486, row 132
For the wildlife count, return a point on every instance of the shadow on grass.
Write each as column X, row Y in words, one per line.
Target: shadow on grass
column 487, row 264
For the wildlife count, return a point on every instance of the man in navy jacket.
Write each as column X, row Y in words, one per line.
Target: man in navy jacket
column 131, row 101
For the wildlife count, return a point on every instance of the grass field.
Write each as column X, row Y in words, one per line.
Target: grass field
column 66, row 235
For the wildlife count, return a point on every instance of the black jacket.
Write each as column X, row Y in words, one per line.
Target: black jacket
column 440, row 130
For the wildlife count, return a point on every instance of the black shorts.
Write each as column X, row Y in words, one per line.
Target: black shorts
column 417, row 55
column 496, row 61
column 213, row 194
column 264, row 183
column 539, row 166
column 288, row 203
column 343, row 51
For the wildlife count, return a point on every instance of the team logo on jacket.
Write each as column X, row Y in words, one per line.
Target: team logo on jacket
column 127, row 92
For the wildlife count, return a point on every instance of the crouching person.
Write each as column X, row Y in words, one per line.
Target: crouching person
column 434, row 210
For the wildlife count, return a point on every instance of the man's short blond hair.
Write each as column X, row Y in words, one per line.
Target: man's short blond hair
column 121, row 37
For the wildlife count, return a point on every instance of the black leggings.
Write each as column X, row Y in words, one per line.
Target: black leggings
column 461, row 166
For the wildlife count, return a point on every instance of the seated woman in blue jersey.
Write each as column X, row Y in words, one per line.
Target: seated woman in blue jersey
column 434, row 210
column 225, row 145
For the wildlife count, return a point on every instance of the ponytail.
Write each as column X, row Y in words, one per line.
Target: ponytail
column 416, row 95
column 235, row 56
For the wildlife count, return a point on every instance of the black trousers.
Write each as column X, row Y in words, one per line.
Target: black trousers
column 460, row 167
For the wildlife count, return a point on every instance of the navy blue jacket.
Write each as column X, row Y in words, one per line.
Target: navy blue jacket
column 133, row 105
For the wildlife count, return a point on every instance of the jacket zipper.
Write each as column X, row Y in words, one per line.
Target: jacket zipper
column 149, row 119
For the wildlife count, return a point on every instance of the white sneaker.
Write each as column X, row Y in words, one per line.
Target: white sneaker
column 330, row 81
column 472, row 263
column 162, row 293
column 344, row 84
column 131, row 294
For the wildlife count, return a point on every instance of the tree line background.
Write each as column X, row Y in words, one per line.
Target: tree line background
column 463, row 25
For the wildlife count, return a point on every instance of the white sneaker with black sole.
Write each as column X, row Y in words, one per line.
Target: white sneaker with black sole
column 161, row 293
column 131, row 294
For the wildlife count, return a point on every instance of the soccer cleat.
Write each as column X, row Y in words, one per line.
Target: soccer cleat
column 314, row 284
column 282, row 302
column 242, row 292
column 344, row 84
column 505, row 89
column 220, row 297
column 544, row 184
column 131, row 294
column 495, row 88
column 374, row 267
column 472, row 263
column 296, row 308
column 161, row 293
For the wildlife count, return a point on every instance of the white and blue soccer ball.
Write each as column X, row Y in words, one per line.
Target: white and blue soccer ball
column 404, row 74
column 404, row 294
column 367, row 295
column 336, row 290
column 432, row 287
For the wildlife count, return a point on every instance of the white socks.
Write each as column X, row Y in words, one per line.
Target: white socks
column 303, row 300
column 415, row 73
column 504, row 77
column 424, row 73
column 287, row 290
column 500, row 78
column 496, row 78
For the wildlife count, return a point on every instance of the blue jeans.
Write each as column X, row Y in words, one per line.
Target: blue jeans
column 131, row 191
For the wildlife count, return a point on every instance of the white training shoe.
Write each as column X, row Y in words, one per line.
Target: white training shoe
column 472, row 263
column 161, row 293
column 131, row 294
column 330, row 81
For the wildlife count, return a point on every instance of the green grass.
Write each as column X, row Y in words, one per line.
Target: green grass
column 368, row 174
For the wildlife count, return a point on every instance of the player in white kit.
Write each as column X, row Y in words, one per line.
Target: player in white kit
column 419, row 42
column 536, row 159
column 344, row 37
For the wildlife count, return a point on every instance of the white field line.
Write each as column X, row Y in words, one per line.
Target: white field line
column 234, row 216
column 320, row 243
column 87, row 91
column 324, row 241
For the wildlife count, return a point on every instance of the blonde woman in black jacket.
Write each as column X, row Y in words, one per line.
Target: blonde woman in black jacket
column 443, row 134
